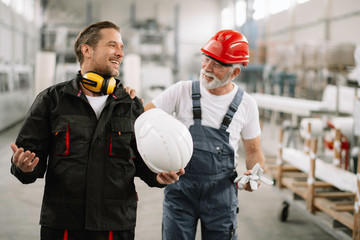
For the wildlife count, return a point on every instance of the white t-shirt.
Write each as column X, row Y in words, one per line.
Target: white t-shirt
column 97, row 103
column 245, row 123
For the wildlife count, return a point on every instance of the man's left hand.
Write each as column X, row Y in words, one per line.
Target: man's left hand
column 169, row 178
column 132, row 93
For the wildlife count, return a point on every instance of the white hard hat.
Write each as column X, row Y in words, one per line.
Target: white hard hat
column 164, row 143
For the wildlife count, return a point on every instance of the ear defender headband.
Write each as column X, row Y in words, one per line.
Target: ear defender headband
column 97, row 83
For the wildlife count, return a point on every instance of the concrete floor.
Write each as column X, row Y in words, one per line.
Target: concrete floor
column 258, row 218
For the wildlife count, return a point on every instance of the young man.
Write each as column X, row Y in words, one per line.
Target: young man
column 80, row 133
column 219, row 114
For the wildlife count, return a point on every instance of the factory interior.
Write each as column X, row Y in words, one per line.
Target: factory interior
column 303, row 73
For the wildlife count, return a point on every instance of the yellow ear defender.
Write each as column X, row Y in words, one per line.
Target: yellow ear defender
column 97, row 83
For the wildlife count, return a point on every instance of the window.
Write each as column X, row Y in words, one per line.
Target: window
column 260, row 7
column 264, row 7
column 24, row 81
column 301, row 1
column 25, row 8
column 240, row 9
column 227, row 18
column 18, row 6
column 4, row 82
column 29, row 10
column 277, row 6
column 6, row 2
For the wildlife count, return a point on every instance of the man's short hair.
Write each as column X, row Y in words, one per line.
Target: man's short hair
column 90, row 35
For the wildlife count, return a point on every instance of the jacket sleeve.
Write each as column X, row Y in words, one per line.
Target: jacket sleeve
column 142, row 170
column 35, row 136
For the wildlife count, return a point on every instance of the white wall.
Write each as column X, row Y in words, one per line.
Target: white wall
column 307, row 22
column 345, row 29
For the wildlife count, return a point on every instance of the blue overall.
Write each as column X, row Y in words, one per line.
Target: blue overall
column 205, row 191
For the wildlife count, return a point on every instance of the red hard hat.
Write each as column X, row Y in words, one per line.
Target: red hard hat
column 228, row 46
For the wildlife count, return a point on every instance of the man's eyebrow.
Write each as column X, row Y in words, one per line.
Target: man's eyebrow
column 115, row 42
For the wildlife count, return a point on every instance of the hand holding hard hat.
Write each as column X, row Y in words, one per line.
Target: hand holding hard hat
column 164, row 143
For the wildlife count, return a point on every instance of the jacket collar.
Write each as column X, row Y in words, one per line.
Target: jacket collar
column 72, row 87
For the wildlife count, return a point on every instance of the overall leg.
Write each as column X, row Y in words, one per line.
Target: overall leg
column 218, row 211
column 179, row 214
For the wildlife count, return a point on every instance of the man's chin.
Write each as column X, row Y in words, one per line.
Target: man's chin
column 212, row 84
column 114, row 73
column 207, row 84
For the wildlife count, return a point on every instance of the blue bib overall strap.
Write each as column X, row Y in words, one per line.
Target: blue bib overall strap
column 232, row 109
column 228, row 116
column 196, row 102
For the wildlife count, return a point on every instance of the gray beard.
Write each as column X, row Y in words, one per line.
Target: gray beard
column 215, row 83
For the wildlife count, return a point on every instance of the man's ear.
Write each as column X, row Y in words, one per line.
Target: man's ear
column 235, row 73
column 86, row 50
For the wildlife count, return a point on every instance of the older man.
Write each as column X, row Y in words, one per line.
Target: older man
column 219, row 114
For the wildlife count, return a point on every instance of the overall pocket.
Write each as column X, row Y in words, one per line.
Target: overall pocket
column 207, row 157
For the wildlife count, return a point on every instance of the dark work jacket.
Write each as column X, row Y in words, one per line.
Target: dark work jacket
column 90, row 164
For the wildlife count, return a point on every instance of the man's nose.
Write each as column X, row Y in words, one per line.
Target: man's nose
column 119, row 52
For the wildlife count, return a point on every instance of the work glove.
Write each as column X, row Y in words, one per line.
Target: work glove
column 253, row 178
